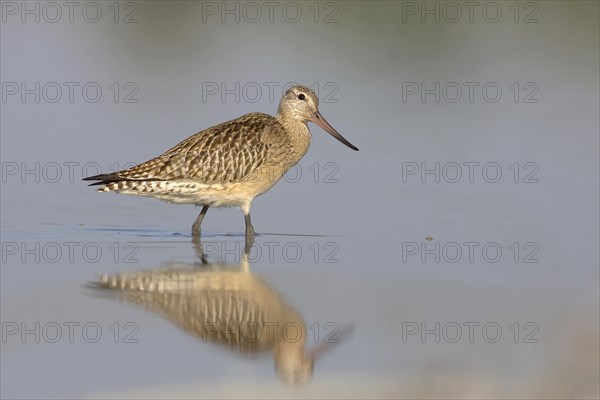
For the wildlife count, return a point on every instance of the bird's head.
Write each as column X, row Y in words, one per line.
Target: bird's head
column 301, row 104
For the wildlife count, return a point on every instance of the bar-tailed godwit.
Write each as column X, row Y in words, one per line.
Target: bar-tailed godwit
column 229, row 164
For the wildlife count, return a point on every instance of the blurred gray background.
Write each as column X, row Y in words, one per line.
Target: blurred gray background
column 167, row 69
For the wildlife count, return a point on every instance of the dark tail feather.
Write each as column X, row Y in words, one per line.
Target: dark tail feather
column 104, row 179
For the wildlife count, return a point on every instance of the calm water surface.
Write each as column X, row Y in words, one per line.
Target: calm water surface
column 476, row 279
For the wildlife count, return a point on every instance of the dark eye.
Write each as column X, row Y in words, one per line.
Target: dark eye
column 301, row 96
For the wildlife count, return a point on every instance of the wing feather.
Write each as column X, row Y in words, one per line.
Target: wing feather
column 225, row 153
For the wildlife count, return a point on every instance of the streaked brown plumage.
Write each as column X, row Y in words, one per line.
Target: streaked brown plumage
column 229, row 164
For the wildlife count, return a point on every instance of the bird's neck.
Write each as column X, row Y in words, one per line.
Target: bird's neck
column 298, row 133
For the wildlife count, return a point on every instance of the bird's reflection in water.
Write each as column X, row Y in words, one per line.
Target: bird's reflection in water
column 225, row 304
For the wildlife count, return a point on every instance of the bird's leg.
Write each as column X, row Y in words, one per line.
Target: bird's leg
column 198, row 222
column 249, row 227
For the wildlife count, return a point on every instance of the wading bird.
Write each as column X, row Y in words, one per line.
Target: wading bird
column 229, row 164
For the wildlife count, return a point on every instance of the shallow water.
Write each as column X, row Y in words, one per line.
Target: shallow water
column 485, row 285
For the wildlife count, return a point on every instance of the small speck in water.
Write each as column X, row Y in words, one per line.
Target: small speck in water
column 429, row 238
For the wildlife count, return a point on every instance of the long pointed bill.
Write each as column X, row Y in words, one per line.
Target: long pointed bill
column 318, row 119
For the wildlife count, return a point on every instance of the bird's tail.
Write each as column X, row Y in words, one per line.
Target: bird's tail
column 104, row 179
column 114, row 181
